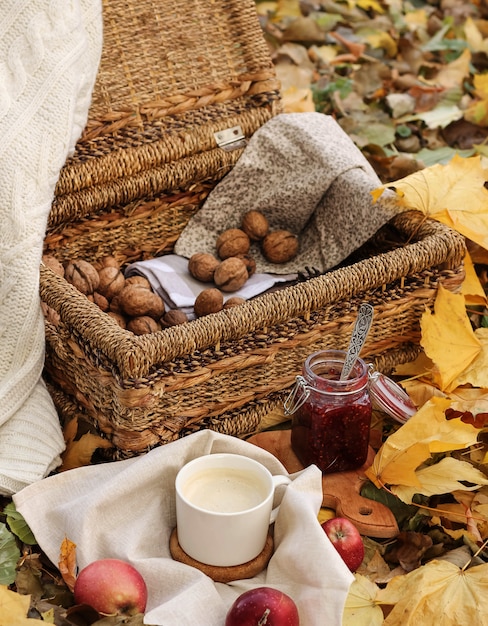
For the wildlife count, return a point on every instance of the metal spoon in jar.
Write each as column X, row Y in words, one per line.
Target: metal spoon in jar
column 359, row 334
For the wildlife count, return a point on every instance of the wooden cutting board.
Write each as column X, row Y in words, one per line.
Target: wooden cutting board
column 341, row 490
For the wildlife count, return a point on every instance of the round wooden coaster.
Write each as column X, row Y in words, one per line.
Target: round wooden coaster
column 224, row 574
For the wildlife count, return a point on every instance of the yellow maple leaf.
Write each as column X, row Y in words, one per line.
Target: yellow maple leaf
column 454, row 73
column 366, row 5
column 442, row 477
column 440, row 191
column 474, row 400
column 477, row 113
column 14, row 608
column 421, row 391
column 382, row 39
column 426, row 433
column 438, row 592
column 361, row 608
column 474, row 37
column 288, row 8
column 422, row 369
column 476, row 373
column 298, row 100
column 416, row 19
column 471, row 287
column 448, row 338
column 393, row 466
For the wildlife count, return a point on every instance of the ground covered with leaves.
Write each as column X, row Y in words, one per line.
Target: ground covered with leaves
column 407, row 82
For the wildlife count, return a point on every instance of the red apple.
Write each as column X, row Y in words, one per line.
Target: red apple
column 111, row 587
column 346, row 539
column 263, row 606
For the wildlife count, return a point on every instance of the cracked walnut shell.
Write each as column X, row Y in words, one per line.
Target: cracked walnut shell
column 136, row 301
column 111, row 281
column 82, row 275
column 232, row 242
column 255, row 225
column 174, row 317
column 143, row 325
column 201, row 266
column 208, row 301
column 280, row 246
column 231, row 274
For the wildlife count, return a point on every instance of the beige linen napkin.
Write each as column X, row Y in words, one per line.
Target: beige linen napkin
column 307, row 176
column 126, row 510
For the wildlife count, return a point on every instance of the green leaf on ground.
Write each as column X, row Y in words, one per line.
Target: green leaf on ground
column 9, row 555
column 18, row 525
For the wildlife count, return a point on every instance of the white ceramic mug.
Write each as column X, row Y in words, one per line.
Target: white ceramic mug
column 224, row 506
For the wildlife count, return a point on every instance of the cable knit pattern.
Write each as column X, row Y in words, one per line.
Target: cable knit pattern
column 49, row 55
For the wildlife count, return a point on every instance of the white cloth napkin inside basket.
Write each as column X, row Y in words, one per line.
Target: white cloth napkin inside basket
column 49, row 56
column 169, row 278
column 126, row 509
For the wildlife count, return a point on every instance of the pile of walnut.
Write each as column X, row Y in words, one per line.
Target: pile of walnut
column 133, row 304
column 230, row 271
column 129, row 301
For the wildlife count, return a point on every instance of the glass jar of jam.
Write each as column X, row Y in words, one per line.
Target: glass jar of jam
column 331, row 418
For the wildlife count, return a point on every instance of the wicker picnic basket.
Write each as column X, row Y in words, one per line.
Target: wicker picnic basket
column 173, row 74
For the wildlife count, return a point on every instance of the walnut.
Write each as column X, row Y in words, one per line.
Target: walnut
column 231, row 274
column 114, row 304
column 174, row 318
column 208, row 301
column 100, row 301
column 111, row 281
column 137, row 301
column 140, row 281
column 202, row 266
column 118, row 318
column 82, row 275
column 255, row 225
column 280, row 246
column 106, row 261
column 53, row 263
column 249, row 262
column 232, row 242
column 234, row 301
column 143, row 325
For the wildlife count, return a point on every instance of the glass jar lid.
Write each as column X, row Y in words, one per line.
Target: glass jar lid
column 389, row 397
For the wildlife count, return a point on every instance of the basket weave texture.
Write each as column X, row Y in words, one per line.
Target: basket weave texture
column 173, row 74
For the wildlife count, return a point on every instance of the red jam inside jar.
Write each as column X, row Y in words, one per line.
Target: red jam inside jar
column 330, row 427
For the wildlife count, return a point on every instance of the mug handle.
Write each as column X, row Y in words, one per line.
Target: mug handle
column 278, row 480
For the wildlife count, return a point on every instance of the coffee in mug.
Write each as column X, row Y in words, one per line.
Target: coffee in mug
column 224, row 508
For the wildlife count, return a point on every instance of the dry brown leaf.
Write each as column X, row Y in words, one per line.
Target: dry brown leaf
column 79, row 449
column 409, row 549
column 67, row 562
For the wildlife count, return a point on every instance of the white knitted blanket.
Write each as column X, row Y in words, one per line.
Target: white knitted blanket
column 49, row 55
